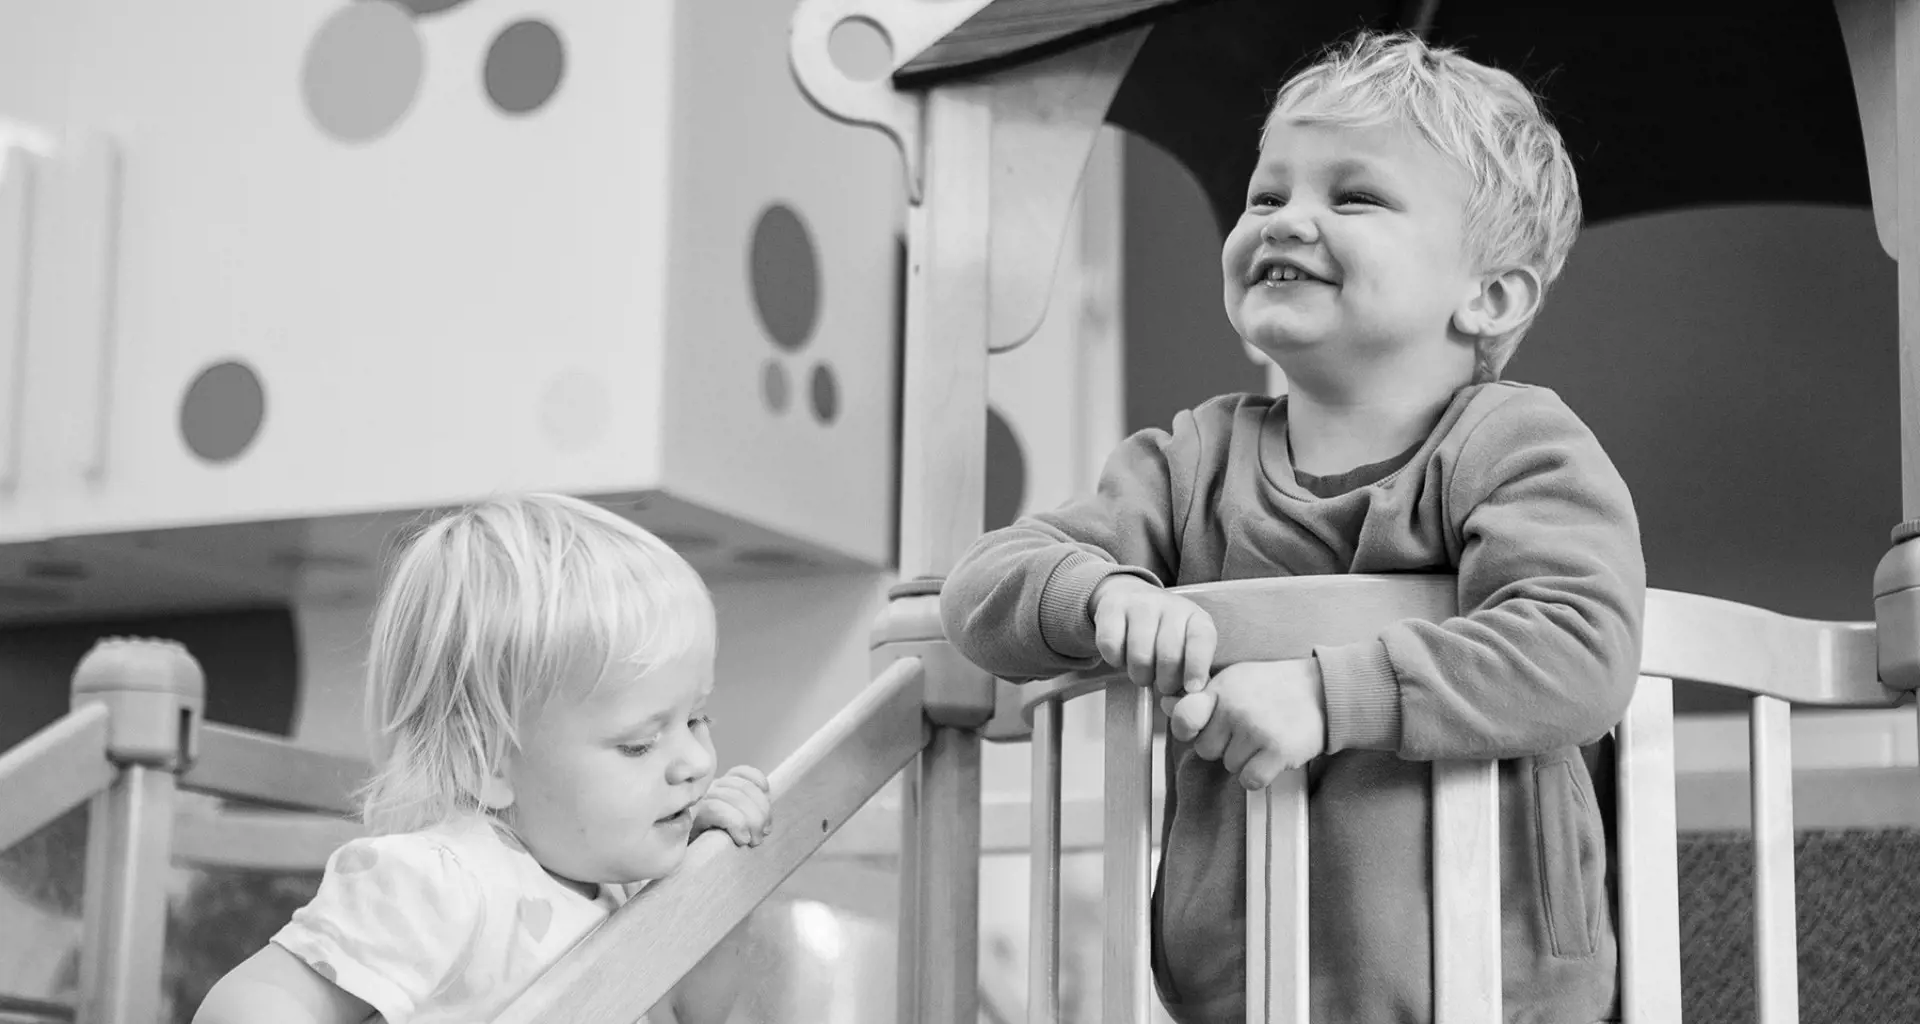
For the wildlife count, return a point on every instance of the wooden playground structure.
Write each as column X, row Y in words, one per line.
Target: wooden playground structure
column 994, row 106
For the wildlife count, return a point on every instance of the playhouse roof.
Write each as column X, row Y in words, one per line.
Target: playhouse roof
column 1689, row 107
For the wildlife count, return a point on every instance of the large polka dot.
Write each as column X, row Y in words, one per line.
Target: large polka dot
column 362, row 70
column 222, row 411
column 535, row 916
column 784, row 275
column 825, row 392
column 524, row 66
column 1006, row 472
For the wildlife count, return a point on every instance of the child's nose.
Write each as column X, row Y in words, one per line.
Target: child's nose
column 1294, row 222
column 696, row 761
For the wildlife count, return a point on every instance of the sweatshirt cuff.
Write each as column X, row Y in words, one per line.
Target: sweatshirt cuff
column 1363, row 697
column 1066, row 602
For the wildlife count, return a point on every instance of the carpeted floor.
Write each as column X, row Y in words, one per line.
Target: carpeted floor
column 1858, row 904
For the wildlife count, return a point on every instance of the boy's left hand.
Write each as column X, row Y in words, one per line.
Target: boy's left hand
column 1258, row 718
column 741, row 802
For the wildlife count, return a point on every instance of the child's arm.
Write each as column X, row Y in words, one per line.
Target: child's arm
column 1552, row 584
column 275, row 987
column 394, row 917
column 1018, row 603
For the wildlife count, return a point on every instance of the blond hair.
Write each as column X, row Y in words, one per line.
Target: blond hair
column 1523, row 204
column 486, row 613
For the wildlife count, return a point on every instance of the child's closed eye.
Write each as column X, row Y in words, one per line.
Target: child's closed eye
column 694, row 724
column 1360, row 199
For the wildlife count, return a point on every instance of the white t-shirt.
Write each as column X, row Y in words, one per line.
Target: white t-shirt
column 441, row 926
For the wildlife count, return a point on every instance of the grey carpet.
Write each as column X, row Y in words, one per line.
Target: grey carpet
column 1858, row 903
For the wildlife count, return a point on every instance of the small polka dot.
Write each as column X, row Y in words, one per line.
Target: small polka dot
column 1006, row 472
column 773, row 386
column 574, row 411
column 535, row 916
column 362, row 70
column 524, row 66
column 325, row 970
column 825, row 393
column 222, row 411
column 352, row 860
column 784, row 275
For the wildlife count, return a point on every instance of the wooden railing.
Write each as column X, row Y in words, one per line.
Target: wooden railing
column 1779, row 661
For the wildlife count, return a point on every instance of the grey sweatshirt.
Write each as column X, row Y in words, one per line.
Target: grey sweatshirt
column 1511, row 492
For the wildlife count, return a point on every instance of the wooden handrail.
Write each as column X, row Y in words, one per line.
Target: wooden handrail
column 265, row 769
column 1688, row 637
column 254, row 840
column 1807, row 662
column 53, row 771
column 1318, row 610
column 633, row 960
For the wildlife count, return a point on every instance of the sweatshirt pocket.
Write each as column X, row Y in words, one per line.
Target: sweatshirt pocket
column 1570, row 868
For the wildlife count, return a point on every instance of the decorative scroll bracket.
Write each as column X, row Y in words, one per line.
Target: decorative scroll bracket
column 1045, row 117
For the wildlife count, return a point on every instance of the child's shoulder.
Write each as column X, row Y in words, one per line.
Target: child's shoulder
column 1510, row 410
column 458, row 855
column 1222, row 414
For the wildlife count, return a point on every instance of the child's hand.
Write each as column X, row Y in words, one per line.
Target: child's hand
column 1257, row 718
column 1162, row 639
column 741, row 802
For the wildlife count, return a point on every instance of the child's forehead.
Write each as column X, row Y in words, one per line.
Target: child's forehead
column 629, row 689
column 1375, row 141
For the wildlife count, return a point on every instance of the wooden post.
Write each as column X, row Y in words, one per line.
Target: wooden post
column 942, row 493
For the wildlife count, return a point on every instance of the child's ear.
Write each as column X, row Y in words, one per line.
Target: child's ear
column 496, row 793
column 1503, row 302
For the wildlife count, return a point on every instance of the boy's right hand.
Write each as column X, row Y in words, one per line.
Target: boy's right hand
column 1162, row 639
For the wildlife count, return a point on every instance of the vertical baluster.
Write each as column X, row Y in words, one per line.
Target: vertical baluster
column 1466, row 892
column 1043, row 851
column 1649, row 867
column 1129, row 803
column 1776, row 975
column 907, row 955
column 129, row 846
column 1278, row 978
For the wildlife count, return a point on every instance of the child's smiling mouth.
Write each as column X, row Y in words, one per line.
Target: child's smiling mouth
column 1273, row 272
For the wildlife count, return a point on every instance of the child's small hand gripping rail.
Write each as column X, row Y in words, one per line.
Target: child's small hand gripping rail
column 1264, row 620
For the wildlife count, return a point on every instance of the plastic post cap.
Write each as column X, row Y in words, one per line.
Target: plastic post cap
column 139, row 663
